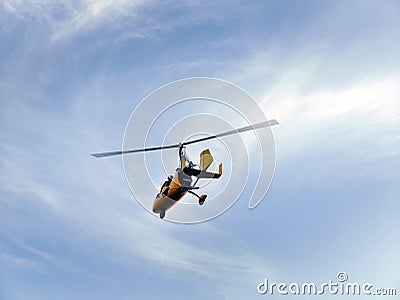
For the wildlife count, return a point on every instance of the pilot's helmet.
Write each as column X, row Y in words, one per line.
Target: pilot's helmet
column 170, row 177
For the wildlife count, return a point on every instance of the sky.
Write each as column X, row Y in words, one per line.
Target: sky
column 71, row 73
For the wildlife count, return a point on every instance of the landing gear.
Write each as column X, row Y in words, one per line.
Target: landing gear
column 202, row 198
column 162, row 214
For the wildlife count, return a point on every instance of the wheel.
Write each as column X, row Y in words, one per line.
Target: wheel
column 202, row 198
column 162, row 215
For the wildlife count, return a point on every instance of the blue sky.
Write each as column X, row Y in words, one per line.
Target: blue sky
column 72, row 72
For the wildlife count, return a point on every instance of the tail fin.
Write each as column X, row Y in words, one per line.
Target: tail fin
column 206, row 159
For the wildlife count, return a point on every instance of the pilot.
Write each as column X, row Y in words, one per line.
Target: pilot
column 165, row 186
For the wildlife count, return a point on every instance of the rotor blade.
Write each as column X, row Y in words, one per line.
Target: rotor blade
column 234, row 131
column 113, row 153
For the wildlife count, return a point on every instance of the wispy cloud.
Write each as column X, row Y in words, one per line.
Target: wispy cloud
column 360, row 121
column 319, row 114
column 23, row 262
column 66, row 19
column 90, row 15
column 124, row 19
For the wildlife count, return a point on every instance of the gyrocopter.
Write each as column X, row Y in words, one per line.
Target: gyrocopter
column 176, row 187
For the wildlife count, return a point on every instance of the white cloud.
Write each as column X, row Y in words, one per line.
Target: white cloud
column 362, row 118
column 65, row 19
column 378, row 96
column 358, row 117
column 95, row 14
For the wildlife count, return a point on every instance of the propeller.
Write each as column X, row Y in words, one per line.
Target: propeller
column 223, row 134
column 113, row 153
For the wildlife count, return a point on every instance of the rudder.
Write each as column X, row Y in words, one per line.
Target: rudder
column 206, row 159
